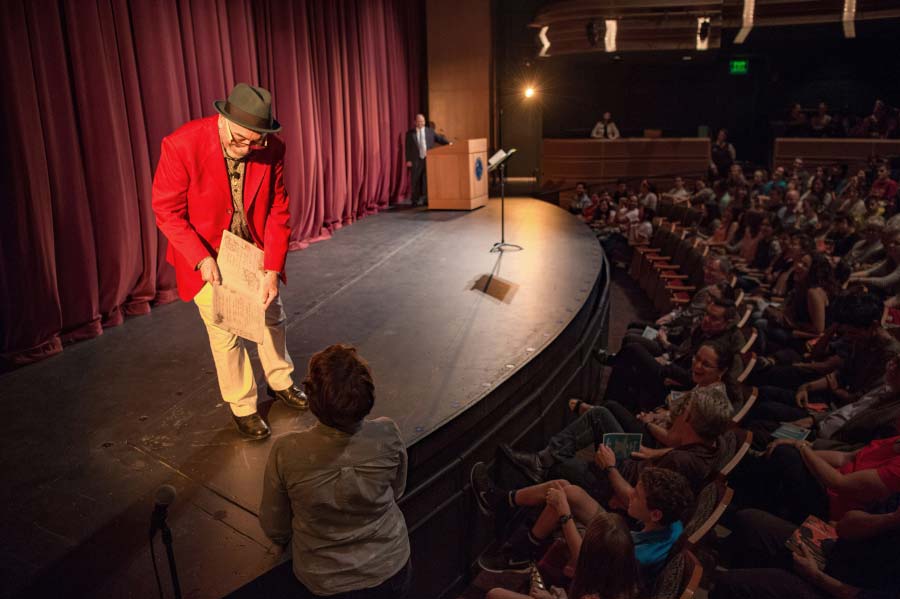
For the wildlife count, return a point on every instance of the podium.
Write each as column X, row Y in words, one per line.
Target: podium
column 458, row 175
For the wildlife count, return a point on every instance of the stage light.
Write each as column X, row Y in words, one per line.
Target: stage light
column 747, row 21
column 703, row 33
column 609, row 40
column 529, row 92
column 849, row 19
column 545, row 41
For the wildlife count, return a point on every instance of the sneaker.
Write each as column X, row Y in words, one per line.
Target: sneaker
column 488, row 497
column 505, row 561
column 528, row 464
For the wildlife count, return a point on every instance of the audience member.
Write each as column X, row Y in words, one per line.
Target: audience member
column 722, row 154
column 605, row 128
column 331, row 490
column 606, row 567
column 863, row 562
column 580, row 200
column 820, row 124
column 678, row 193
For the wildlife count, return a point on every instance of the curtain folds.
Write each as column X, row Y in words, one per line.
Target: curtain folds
column 94, row 86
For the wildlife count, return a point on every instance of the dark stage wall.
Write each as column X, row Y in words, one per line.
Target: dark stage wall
column 92, row 86
column 660, row 90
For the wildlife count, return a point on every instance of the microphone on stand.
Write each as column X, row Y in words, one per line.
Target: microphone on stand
column 164, row 497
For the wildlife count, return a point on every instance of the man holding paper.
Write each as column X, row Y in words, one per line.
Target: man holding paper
column 225, row 173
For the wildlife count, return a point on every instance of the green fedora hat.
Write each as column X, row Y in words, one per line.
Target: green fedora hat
column 249, row 107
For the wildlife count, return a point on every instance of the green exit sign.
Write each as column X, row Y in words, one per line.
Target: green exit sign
column 739, row 67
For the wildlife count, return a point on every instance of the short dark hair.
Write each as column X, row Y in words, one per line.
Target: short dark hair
column 340, row 387
column 858, row 310
column 582, row 183
column 724, row 355
column 667, row 491
column 731, row 313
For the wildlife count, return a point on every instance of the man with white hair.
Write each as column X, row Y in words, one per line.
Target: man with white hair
column 419, row 140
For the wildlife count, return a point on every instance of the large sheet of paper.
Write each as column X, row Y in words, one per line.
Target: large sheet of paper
column 236, row 303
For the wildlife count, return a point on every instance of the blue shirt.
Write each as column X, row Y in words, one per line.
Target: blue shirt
column 652, row 548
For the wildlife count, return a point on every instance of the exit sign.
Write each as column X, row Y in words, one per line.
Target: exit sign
column 739, row 67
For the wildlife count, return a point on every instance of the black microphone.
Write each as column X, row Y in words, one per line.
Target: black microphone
column 164, row 497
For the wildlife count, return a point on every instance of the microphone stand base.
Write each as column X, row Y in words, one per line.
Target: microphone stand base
column 501, row 246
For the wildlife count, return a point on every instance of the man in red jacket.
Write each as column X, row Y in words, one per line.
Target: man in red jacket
column 226, row 172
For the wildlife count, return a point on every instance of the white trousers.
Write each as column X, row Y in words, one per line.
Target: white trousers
column 235, row 372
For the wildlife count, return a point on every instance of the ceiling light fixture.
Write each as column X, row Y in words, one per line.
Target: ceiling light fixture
column 703, row 27
column 849, row 19
column 609, row 40
column 747, row 23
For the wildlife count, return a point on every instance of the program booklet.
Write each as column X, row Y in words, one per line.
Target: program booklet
column 650, row 333
column 236, row 305
column 791, row 431
column 818, row 537
column 623, row 444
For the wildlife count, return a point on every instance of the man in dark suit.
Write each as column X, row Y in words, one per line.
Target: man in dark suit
column 418, row 142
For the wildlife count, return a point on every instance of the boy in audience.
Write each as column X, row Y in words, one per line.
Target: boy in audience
column 658, row 503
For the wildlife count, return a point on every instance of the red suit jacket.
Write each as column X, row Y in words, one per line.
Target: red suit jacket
column 192, row 200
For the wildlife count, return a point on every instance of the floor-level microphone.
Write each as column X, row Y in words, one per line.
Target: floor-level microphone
column 163, row 498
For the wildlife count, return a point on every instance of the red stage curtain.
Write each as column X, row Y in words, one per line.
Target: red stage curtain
column 94, row 85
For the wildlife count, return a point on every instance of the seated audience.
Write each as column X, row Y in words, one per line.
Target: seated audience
column 861, row 350
column 606, row 567
column 805, row 313
column 580, row 200
column 658, row 503
column 678, row 193
column 647, row 196
column 868, row 250
column 883, row 278
column 793, row 480
column 641, row 232
column 702, row 193
column 678, row 323
column 842, row 236
column 875, row 415
column 621, row 192
column 863, row 562
column 709, row 372
column 884, row 187
column 638, row 379
column 331, row 491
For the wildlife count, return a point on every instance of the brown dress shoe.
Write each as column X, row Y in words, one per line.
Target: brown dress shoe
column 293, row 397
column 252, row 426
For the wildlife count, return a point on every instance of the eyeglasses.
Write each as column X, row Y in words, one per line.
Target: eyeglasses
column 253, row 144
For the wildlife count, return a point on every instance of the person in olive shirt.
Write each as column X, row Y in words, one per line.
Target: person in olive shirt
column 331, row 491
